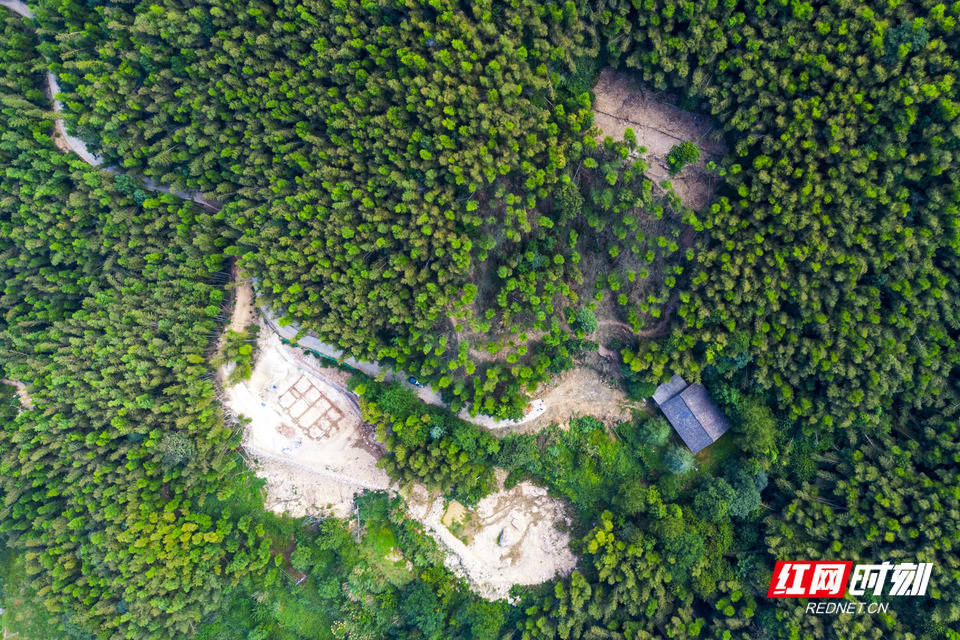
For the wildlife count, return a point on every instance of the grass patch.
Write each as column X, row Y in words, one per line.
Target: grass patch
column 379, row 546
column 24, row 612
column 709, row 460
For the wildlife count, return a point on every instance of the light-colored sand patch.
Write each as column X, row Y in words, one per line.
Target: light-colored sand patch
column 306, row 433
column 621, row 103
column 298, row 491
column 242, row 315
column 25, row 400
column 511, row 537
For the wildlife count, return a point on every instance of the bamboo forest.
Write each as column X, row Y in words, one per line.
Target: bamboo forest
column 479, row 319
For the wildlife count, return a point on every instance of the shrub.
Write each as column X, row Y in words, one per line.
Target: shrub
column 585, row 320
column 655, row 431
column 678, row 459
column 681, row 155
column 176, row 449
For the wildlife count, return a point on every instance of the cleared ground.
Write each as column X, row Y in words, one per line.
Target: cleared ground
column 622, row 103
column 305, row 423
column 578, row 392
column 510, row 537
column 305, row 437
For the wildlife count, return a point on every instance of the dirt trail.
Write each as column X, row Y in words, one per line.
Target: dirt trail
column 578, row 392
column 22, row 392
column 243, row 314
column 67, row 143
column 621, row 103
column 375, row 370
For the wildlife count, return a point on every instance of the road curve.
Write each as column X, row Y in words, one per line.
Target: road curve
column 79, row 147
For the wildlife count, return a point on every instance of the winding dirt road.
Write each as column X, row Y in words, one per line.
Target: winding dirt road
column 537, row 409
column 79, row 147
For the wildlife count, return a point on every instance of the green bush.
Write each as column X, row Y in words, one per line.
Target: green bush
column 585, row 321
column 655, row 431
column 678, row 459
column 681, row 155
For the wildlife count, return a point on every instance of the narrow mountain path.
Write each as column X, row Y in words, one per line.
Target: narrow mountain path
column 537, row 408
column 79, row 147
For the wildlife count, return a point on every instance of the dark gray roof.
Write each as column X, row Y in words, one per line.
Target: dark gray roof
column 686, row 424
column 689, row 409
column 667, row 390
column 708, row 414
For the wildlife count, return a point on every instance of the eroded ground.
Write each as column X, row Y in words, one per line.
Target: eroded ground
column 510, row 537
column 305, row 437
column 659, row 125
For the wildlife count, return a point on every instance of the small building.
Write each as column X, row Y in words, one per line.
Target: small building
column 691, row 412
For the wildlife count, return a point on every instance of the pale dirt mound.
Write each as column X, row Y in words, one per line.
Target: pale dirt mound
column 510, row 537
column 306, row 433
column 621, row 103
column 578, row 392
column 22, row 392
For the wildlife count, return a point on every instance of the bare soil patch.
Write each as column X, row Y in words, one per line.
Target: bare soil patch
column 659, row 124
column 305, row 432
column 22, row 392
column 305, row 437
column 510, row 537
column 243, row 314
column 578, row 392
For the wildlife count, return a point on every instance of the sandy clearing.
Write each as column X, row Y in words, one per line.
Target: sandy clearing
column 242, row 315
column 306, row 432
column 22, row 392
column 511, row 537
column 299, row 491
column 621, row 102
column 578, row 392
column 307, row 441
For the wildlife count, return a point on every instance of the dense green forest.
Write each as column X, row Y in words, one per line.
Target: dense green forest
column 420, row 183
